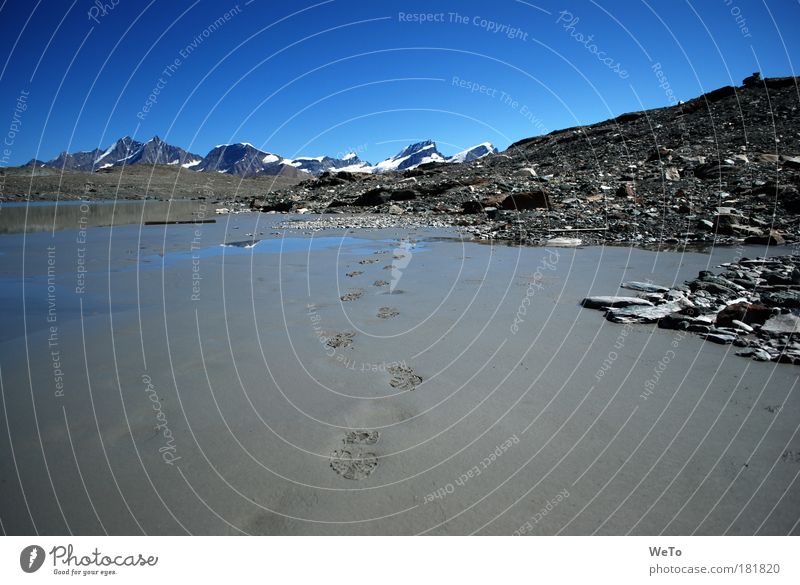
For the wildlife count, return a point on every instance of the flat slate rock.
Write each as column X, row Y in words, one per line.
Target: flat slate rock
column 564, row 242
column 607, row 302
column 785, row 298
column 644, row 287
column 782, row 324
column 643, row 314
column 757, row 353
column 720, row 338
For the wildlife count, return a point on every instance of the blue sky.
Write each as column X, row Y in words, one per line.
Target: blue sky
column 305, row 78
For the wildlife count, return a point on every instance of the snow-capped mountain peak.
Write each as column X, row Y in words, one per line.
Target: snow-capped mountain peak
column 411, row 156
column 417, row 147
column 120, row 150
column 319, row 164
column 244, row 159
column 478, row 151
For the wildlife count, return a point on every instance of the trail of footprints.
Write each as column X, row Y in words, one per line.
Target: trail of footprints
column 354, row 460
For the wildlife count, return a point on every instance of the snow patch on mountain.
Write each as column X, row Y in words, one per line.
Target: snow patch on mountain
column 476, row 152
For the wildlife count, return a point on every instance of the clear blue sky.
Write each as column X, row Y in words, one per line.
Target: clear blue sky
column 353, row 75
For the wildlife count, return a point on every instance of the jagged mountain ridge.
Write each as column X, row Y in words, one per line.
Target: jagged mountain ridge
column 125, row 151
column 318, row 165
column 245, row 160
column 77, row 161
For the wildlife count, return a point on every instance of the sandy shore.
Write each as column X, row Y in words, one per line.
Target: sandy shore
column 193, row 388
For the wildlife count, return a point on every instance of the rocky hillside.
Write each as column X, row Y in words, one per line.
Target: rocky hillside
column 722, row 167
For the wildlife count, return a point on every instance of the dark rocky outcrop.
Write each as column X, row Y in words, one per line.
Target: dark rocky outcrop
column 762, row 319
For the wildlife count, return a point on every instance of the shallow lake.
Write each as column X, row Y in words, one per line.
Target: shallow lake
column 35, row 216
column 226, row 327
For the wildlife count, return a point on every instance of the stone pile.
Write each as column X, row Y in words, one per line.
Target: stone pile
column 752, row 304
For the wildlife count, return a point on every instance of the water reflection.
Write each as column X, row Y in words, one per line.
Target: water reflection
column 32, row 217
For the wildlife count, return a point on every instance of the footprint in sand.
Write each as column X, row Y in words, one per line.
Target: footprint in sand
column 380, row 283
column 351, row 461
column 341, row 340
column 355, row 273
column 365, row 437
column 352, row 294
column 369, row 261
column 403, row 378
column 387, row 312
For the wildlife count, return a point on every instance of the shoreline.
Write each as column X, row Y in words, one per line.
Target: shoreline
column 317, row 222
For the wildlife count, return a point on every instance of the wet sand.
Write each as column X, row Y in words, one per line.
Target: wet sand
column 263, row 390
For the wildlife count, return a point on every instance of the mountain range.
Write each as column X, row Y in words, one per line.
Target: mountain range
column 245, row 160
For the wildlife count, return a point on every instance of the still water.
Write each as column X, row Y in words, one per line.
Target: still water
column 47, row 216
